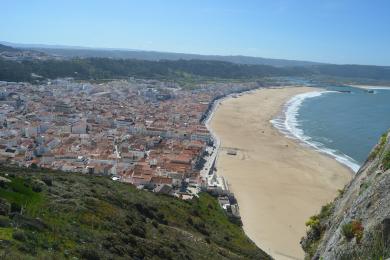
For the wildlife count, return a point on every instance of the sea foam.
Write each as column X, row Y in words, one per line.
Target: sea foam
column 287, row 123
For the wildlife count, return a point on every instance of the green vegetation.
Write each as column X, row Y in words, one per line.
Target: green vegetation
column 184, row 71
column 104, row 68
column 378, row 150
column 376, row 247
column 364, row 186
column 56, row 215
column 354, row 71
column 341, row 192
column 317, row 227
column 353, row 229
column 379, row 147
column 386, row 161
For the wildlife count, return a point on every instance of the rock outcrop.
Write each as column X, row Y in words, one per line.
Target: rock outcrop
column 357, row 224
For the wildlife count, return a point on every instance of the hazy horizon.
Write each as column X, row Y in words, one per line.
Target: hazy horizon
column 338, row 32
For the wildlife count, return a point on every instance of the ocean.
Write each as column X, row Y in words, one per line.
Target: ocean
column 345, row 125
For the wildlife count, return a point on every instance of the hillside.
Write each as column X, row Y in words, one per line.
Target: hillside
column 357, row 224
column 7, row 48
column 54, row 215
column 84, row 52
column 25, row 65
column 104, row 68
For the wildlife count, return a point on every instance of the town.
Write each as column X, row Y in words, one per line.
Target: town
column 148, row 133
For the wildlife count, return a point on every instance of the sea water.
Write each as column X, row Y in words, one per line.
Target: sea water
column 345, row 125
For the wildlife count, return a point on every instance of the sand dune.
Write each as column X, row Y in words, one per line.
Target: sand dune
column 278, row 182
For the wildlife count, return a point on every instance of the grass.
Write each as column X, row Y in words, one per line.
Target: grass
column 20, row 192
column 96, row 218
column 6, row 233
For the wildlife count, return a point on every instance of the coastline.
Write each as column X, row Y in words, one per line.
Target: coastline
column 286, row 122
column 369, row 87
column 278, row 182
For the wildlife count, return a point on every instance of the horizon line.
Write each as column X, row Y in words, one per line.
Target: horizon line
column 78, row 47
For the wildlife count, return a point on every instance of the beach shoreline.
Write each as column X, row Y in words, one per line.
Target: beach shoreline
column 370, row 87
column 287, row 123
column 278, row 182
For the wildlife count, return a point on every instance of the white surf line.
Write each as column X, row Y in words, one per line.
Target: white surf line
column 287, row 123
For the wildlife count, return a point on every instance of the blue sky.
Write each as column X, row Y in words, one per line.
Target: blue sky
column 336, row 31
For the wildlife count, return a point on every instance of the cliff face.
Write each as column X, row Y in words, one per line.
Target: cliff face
column 357, row 224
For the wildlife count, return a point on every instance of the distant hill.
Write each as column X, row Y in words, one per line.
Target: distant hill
column 113, row 64
column 54, row 215
column 18, row 54
column 83, row 52
column 104, row 68
column 7, row 48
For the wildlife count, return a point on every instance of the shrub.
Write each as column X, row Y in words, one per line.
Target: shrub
column 89, row 253
column 138, row 230
column 374, row 247
column 357, row 229
column 47, row 180
column 386, row 161
column 378, row 148
column 201, row 227
column 19, row 235
column 353, row 229
column 235, row 220
column 326, row 211
column 346, row 229
column 37, row 187
column 313, row 222
column 15, row 207
column 155, row 223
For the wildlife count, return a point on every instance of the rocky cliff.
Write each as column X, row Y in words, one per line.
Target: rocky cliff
column 357, row 224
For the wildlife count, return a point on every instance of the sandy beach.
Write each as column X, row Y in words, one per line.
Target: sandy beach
column 278, row 182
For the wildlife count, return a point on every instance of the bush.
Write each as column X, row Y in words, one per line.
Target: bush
column 353, row 229
column 15, row 207
column 326, row 211
column 138, row 230
column 374, row 247
column 47, row 180
column 346, row 229
column 378, row 148
column 155, row 223
column 19, row 235
column 313, row 222
column 37, row 187
column 201, row 227
column 90, row 254
column 386, row 161
column 190, row 221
